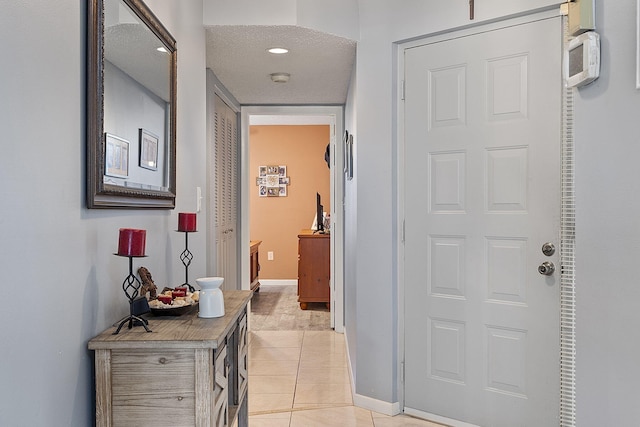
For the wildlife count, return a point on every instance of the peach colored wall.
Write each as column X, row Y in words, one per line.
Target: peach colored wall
column 278, row 220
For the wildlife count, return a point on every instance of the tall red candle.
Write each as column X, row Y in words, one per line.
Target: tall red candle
column 186, row 221
column 132, row 242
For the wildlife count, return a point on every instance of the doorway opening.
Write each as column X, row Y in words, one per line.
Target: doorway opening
column 304, row 115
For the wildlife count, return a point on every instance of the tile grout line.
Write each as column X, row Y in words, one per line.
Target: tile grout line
column 295, row 386
column 306, row 408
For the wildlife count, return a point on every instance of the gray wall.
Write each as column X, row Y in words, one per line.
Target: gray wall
column 351, row 229
column 608, row 232
column 62, row 283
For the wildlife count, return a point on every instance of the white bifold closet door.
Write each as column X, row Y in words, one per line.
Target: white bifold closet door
column 224, row 191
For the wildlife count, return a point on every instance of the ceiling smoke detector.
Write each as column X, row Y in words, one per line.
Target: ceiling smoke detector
column 280, row 77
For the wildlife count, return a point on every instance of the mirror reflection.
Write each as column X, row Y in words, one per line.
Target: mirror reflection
column 136, row 99
column 131, row 107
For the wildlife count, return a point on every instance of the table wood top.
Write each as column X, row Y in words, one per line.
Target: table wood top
column 186, row 331
column 311, row 233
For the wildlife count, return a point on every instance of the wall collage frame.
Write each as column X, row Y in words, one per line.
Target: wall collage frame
column 272, row 181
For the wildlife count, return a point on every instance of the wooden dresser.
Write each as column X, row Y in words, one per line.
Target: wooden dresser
column 187, row 372
column 314, row 268
column 254, row 262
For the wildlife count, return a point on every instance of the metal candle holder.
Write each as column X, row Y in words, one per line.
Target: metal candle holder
column 186, row 256
column 130, row 286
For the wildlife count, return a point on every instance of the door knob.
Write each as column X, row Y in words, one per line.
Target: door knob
column 546, row 268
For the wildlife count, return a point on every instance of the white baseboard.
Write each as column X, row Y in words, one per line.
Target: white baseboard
column 366, row 402
column 351, row 377
column 436, row 418
column 375, row 405
column 278, row 282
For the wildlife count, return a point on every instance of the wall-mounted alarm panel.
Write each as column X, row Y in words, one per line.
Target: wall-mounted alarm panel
column 582, row 59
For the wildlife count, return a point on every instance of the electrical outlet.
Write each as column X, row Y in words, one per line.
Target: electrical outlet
column 270, row 256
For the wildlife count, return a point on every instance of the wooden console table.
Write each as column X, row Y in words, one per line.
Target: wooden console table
column 314, row 268
column 188, row 372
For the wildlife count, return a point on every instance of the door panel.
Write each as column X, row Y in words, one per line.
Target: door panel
column 225, row 189
column 482, row 194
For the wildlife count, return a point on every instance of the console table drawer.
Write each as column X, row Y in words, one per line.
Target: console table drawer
column 154, row 387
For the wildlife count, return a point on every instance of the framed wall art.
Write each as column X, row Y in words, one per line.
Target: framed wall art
column 116, row 156
column 148, row 158
column 348, row 155
column 272, row 181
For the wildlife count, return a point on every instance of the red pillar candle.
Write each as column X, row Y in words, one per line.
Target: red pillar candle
column 186, row 221
column 132, row 242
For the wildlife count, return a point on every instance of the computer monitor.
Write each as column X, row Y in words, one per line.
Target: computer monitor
column 318, row 225
column 319, row 215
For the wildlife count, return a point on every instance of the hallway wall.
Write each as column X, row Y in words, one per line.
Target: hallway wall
column 607, row 131
column 63, row 285
column 337, row 17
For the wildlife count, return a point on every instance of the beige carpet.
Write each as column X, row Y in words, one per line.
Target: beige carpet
column 276, row 308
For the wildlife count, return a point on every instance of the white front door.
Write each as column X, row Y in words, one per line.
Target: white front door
column 482, row 195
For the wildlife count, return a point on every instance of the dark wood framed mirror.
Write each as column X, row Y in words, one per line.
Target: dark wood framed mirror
column 131, row 107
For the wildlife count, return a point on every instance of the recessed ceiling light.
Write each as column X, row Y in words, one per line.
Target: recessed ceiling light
column 162, row 49
column 280, row 77
column 278, row 50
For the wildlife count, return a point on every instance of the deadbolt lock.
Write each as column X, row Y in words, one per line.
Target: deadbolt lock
column 548, row 249
column 546, row 268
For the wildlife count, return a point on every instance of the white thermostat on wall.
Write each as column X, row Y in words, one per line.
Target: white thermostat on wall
column 582, row 59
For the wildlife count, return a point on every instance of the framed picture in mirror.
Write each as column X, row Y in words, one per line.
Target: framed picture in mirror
column 116, row 157
column 148, row 150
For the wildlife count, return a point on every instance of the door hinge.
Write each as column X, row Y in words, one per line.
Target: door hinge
column 564, row 9
column 402, row 372
column 402, row 90
column 403, row 230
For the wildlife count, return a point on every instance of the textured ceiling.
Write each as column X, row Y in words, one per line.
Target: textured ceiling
column 320, row 64
column 133, row 49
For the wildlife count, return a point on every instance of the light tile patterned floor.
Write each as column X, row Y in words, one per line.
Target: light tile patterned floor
column 300, row 379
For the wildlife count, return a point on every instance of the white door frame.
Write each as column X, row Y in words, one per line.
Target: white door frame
column 301, row 115
column 401, row 47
